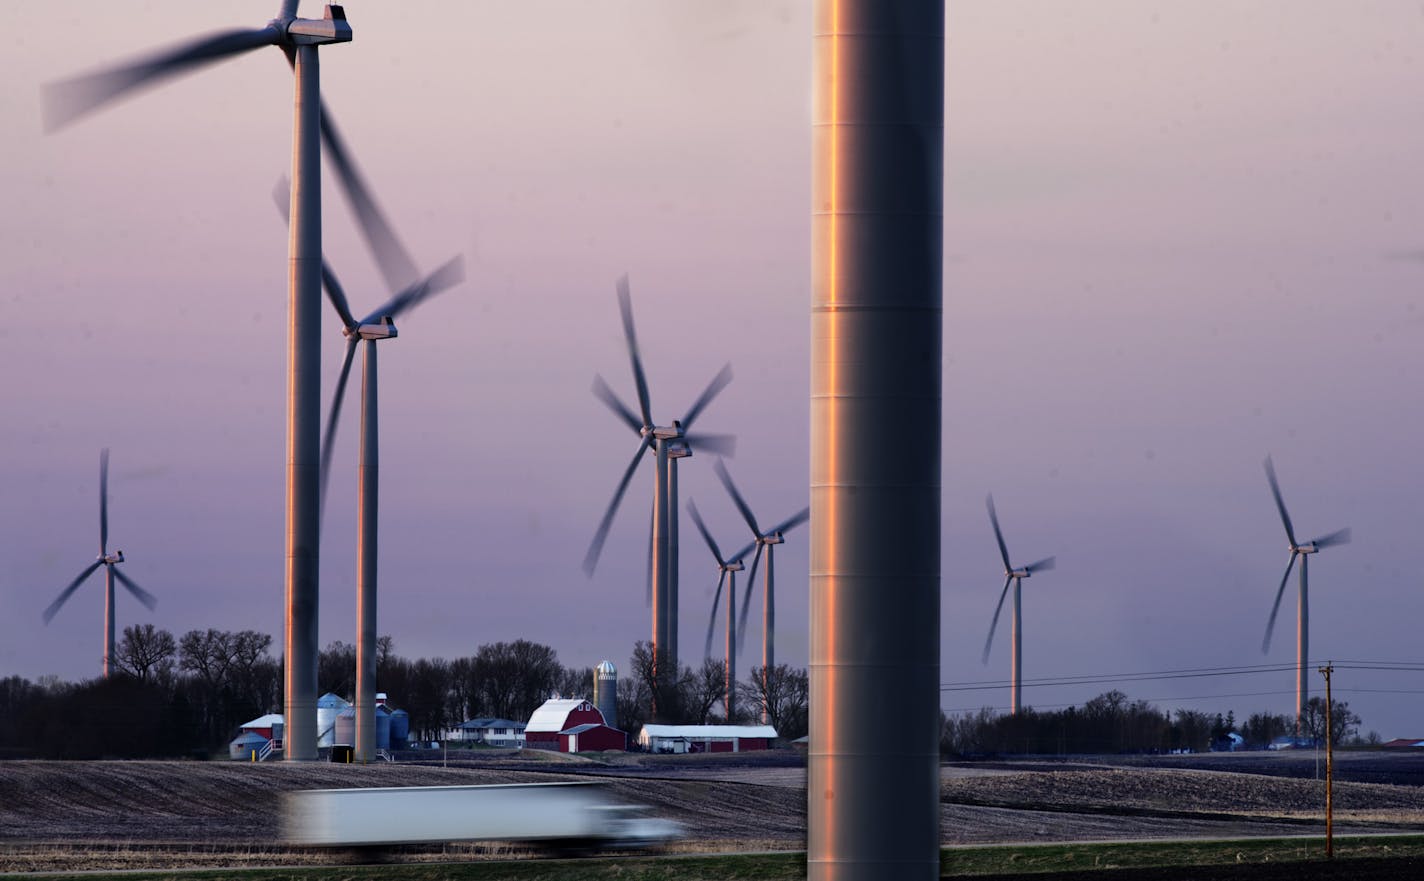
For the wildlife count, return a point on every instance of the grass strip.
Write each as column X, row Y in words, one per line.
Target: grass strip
column 1026, row 860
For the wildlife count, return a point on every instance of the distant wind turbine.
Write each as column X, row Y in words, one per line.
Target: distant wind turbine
column 1015, row 577
column 763, row 540
column 728, row 576
column 669, row 443
column 1302, row 624
column 111, row 573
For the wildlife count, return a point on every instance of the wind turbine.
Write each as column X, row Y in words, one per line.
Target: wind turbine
column 1302, row 623
column 669, row 443
column 762, row 540
column 1015, row 577
column 298, row 38
column 728, row 576
column 109, row 562
column 379, row 325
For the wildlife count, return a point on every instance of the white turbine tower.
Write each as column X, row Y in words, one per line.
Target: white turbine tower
column 1302, row 622
column 728, row 570
column 111, row 573
column 1013, row 577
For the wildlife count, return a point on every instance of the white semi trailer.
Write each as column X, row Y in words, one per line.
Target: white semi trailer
column 556, row 814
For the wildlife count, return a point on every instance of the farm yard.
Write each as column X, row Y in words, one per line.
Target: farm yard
column 62, row 816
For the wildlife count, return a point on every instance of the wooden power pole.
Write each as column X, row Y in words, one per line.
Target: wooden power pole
column 1329, row 766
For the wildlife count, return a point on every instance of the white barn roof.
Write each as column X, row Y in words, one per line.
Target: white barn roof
column 707, row 732
column 266, row 721
column 552, row 714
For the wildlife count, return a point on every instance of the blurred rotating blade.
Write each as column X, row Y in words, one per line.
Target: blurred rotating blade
column 282, row 195
column 791, row 522
column 998, row 533
column 1042, row 565
column 450, row 273
column 103, row 501
column 714, row 387
column 747, row 598
column 712, row 619
column 994, row 624
column 68, row 100
column 334, row 417
column 394, row 261
column 69, row 591
column 1338, row 537
column 1280, row 503
column 1276, row 607
column 595, row 548
column 604, row 393
column 717, row 444
column 737, row 499
column 706, row 536
column 625, row 309
column 139, row 593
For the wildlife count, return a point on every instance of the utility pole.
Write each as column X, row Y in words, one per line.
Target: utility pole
column 1329, row 766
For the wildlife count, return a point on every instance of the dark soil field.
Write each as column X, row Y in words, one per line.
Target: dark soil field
column 77, row 815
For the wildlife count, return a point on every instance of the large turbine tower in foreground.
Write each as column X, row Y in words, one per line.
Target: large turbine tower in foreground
column 298, row 38
column 1302, row 621
column 877, row 233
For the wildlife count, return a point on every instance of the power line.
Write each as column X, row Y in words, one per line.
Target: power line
column 1183, row 673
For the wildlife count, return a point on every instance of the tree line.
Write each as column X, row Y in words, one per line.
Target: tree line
column 186, row 696
column 1113, row 723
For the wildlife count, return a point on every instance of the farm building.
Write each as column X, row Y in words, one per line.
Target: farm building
column 246, row 746
column 591, row 737
column 551, row 726
column 328, row 707
column 706, row 738
column 1403, row 743
column 269, row 726
column 489, row 731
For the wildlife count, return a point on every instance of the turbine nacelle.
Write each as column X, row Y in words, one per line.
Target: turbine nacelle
column 1307, row 548
column 330, row 28
column 383, row 328
column 115, row 557
column 774, row 538
column 1017, row 573
column 734, row 566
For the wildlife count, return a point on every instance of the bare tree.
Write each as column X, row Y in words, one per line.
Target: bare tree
column 336, row 669
column 782, row 693
column 146, row 653
column 1343, row 722
column 704, row 689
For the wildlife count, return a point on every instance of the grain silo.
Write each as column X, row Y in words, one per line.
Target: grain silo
column 605, row 692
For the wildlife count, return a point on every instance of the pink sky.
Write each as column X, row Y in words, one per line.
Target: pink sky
column 1173, row 240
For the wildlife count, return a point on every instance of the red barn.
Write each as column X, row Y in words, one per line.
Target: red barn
column 556, row 715
column 591, row 737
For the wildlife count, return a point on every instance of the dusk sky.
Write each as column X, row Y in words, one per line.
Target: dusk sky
column 1179, row 236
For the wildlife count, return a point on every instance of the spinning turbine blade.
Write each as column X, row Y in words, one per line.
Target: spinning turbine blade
column 68, row 100
column 590, row 560
column 737, row 499
column 282, row 196
column 625, row 308
column 610, row 399
column 792, row 522
column 331, row 421
column 103, row 501
column 1042, row 565
column 68, row 591
column 747, row 597
column 648, row 581
column 717, row 444
column 1280, row 503
column 394, row 260
column 451, row 273
column 707, row 536
column 1280, row 592
column 1339, row 537
column 998, row 533
column 712, row 619
column 714, row 387
column 142, row 595
column 994, row 624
